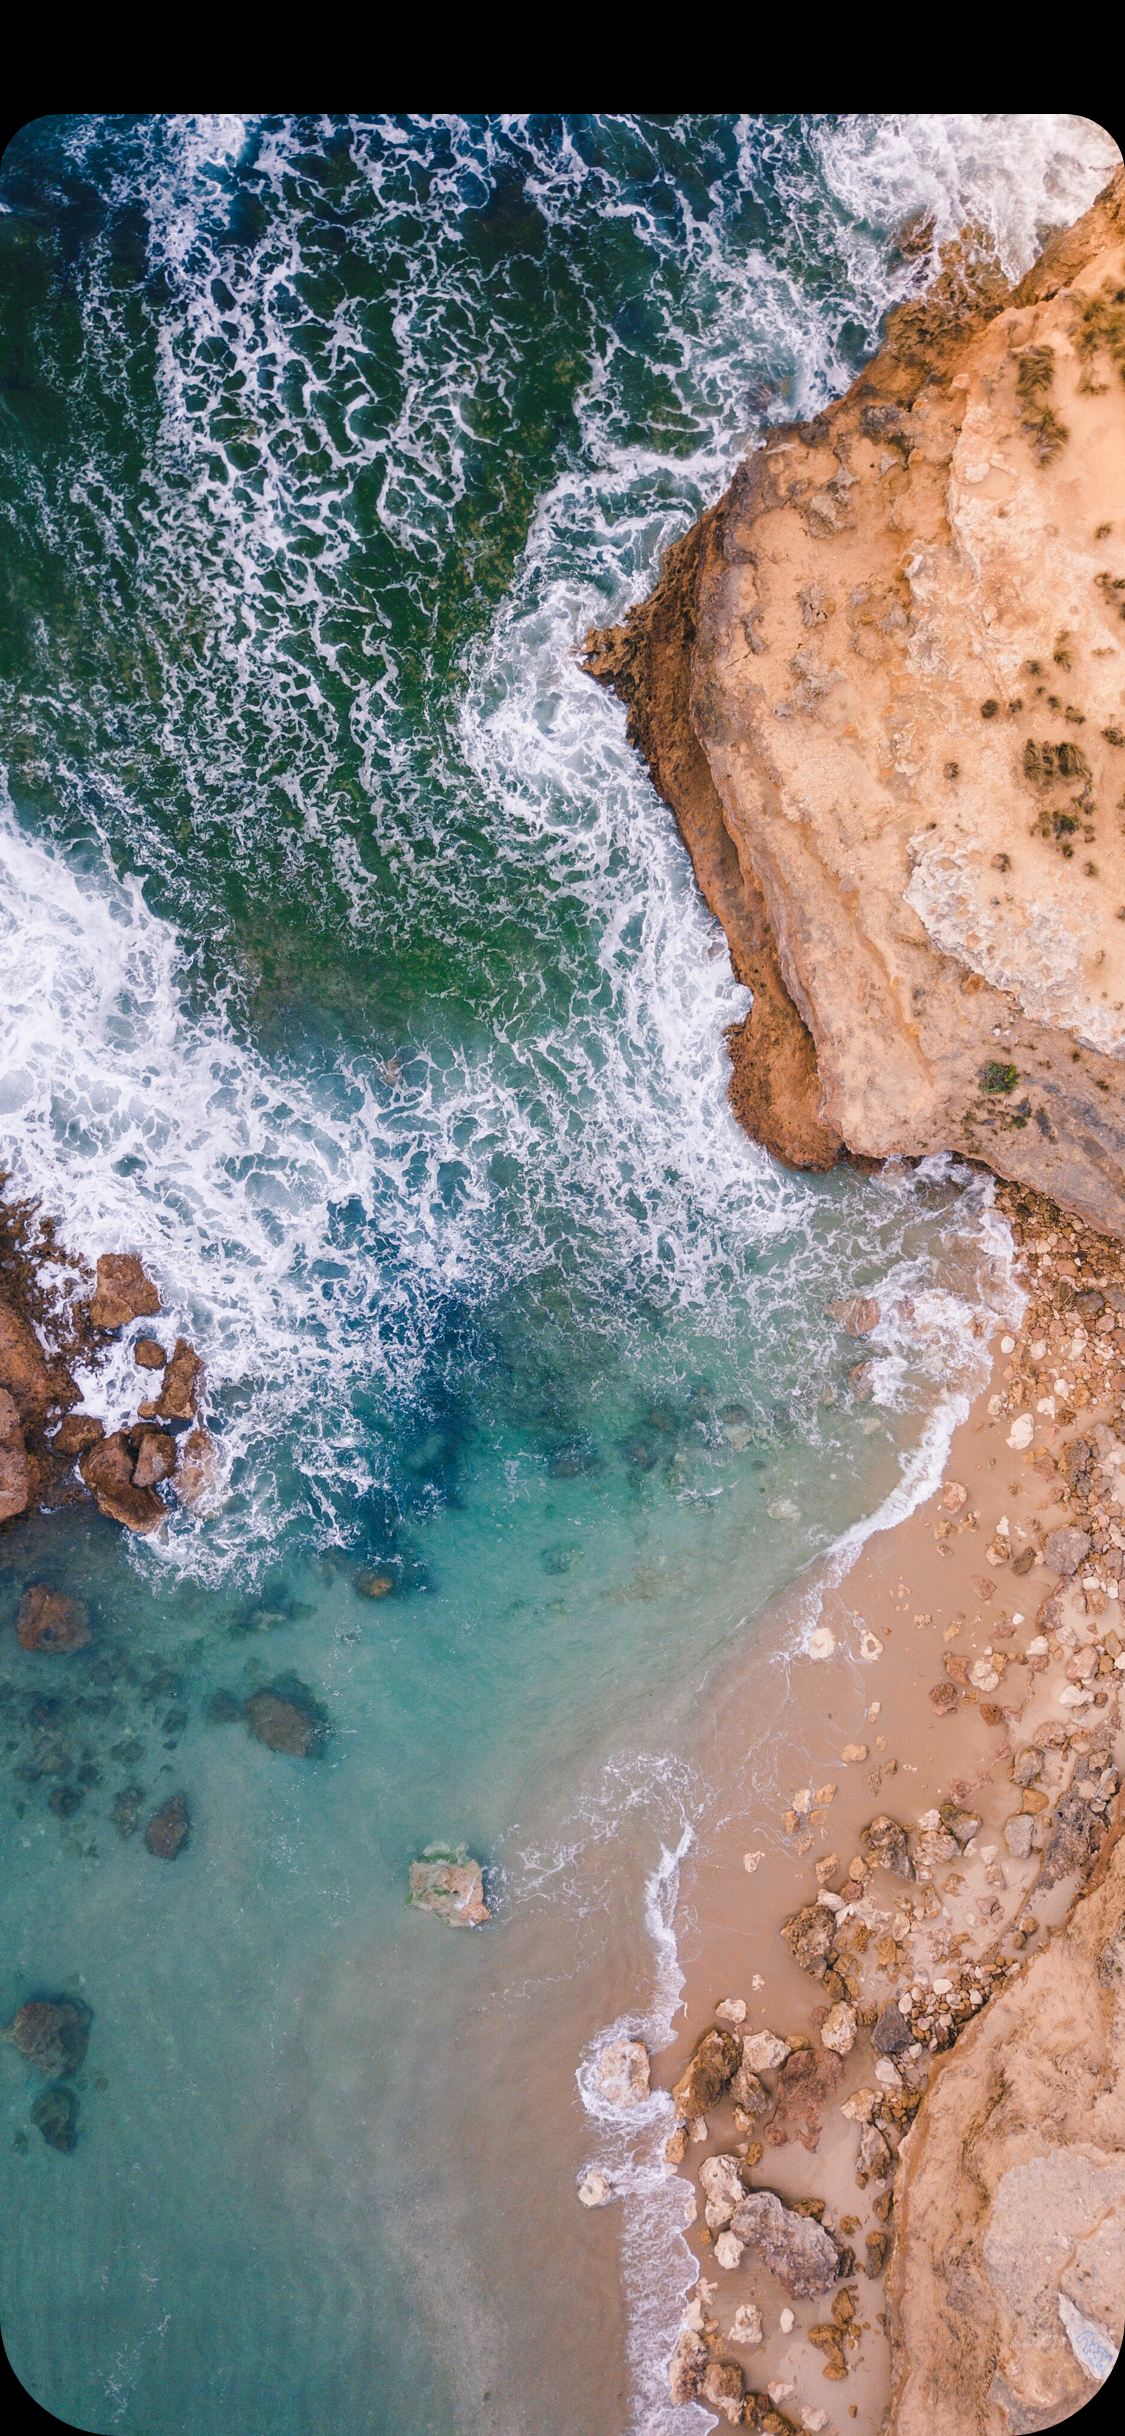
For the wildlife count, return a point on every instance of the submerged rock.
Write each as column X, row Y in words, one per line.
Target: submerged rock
column 705, row 2077
column 450, row 1884
column 52, row 2033
column 126, row 1809
column 800, row 2253
column 51, row 1620
column 622, row 2072
column 198, row 1478
column 168, row 1827
column 287, row 1718
column 374, row 1585
column 223, row 1709
column 107, row 1470
column 123, row 1292
column 55, row 2114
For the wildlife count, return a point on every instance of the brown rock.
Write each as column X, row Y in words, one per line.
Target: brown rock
column 182, row 1379
column 76, row 1433
column 156, row 1457
column 945, row 1697
column 375, row 1585
column 1064, row 1551
column 805, row 2084
column 809, row 1935
column 24, row 1369
column 892, row 2032
column 285, row 1724
column 167, row 1828
column 688, row 2367
column 107, row 1470
column 123, row 1292
column 858, row 1316
column 149, row 1354
column 49, row 1620
column 452, row 1886
column 904, row 930
column 52, row 2035
column 722, row 2388
column 706, row 2076
column 797, row 2249
column 883, row 1843
column 15, row 1473
column 197, row 1478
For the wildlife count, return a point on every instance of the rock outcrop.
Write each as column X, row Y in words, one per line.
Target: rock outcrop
column 51, row 1620
column 447, row 1882
column 52, row 2033
column 108, row 1469
column 882, row 685
column 1007, row 2279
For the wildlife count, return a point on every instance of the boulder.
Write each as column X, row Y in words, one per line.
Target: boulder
column 155, row 1457
column 722, row 2388
column 107, row 1470
column 747, row 2091
column 857, row 1315
column 451, row 1885
column 197, row 1478
column 883, row 1845
column 621, row 2073
column 77, row 1432
column 808, row 1935
column 148, row 1354
column 286, row 1718
column 764, row 2051
column 892, row 2032
column 706, row 2076
column 838, row 2029
column 688, row 2367
column 55, row 2114
column 806, row 2082
column 796, row 2248
column 52, row 2034
column 168, row 1828
column 24, row 1370
column 123, row 1292
column 1064, row 1551
column 720, row 2180
column 182, row 1378
column 51, row 1620
column 15, row 1471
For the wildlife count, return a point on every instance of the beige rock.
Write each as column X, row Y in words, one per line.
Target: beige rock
column 838, row 2030
column 595, row 2190
column 706, row 2076
column 1010, row 2199
column 731, row 2009
column 622, row 2072
column 904, row 817
column 441, row 1883
column 764, row 2051
column 746, row 2325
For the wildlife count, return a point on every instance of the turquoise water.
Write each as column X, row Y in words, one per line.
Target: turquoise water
column 351, row 971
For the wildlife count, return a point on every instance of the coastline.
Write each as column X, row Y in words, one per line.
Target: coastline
column 810, row 1749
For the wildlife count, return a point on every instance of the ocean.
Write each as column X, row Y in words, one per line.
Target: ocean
column 354, row 975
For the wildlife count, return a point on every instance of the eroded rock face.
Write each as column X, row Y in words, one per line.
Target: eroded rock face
column 1008, row 2266
column 797, row 2249
column 881, row 684
column 705, row 2077
column 53, row 2034
column 24, row 1369
column 123, row 1291
column 51, row 1620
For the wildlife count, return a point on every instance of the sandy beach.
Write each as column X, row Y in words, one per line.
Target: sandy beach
column 938, row 1673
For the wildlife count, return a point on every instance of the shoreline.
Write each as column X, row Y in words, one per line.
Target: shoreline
column 926, row 1670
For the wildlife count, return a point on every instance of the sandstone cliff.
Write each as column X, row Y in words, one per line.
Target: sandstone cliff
column 882, row 686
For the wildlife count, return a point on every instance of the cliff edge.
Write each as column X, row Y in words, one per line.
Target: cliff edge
column 882, row 686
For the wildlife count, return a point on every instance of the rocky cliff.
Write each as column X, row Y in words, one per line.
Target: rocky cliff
column 882, row 686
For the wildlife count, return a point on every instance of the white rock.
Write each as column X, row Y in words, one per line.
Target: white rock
column 1039, row 1647
column 814, row 2421
column 831, row 1902
column 930, row 1819
column 1021, row 1431
column 886, row 2074
column 764, row 2051
column 1073, row 1696
column 838, row 2030
column 750, row 1860
column 699, row 2129
column 732, row 2009
column 870, row 1647
column 1007, row 1344
column 622, row 2073
column 747, row 2325
column 943, row 1987
column 861, row 2105
column 595, row 2190
column 757, row 1982
column 802, row 1801
column 821, row 1643
column 787, row 2322
column 729, row 2249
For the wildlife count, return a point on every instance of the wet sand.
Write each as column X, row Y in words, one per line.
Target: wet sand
column 813, row 1749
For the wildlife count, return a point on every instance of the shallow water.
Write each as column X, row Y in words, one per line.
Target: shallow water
column 351, row 971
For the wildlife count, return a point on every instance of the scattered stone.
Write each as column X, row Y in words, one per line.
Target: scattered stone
column 595, row 2190
column 1021, row 1432
column 447, row 1882
column 64, row 1800
column 945, row 1698
column 797, row 2249
column 168, row 1828
column 1017, row 1835
column 286, row 1718
column 874, row 2160
column 877, row 2245
column 178, row 1396
column 52, row 2034
column 55, row 2114
column 854, row 1753
column 51, row 1620
column 883, row 1845
column 953, row 1496
column 934, row 1844
column 821, row 1643
column 622, row 2072
column 808, row 1935
column 107, row 1470
column 1064, row 1551
column 750, row 1861
column 705, row 2077
column 861, row 2105
column 838, row 2030
column 148, row 1354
